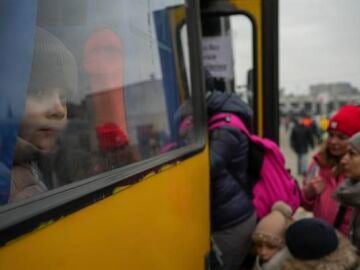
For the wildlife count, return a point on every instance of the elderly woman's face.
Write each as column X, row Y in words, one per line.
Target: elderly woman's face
column 44, row 118
column 351, row 163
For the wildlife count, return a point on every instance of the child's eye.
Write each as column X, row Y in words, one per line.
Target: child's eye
column 267, row 245
column 343, row 137
column 63, row 98
column 257, row 244
column 38, row 93
column 270, row 246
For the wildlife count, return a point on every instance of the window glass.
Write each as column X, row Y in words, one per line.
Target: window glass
column 228, row 54
column 108, row 87
column 242, row 42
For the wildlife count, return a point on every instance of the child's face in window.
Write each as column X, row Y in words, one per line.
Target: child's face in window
column 44, row 118
column 265, row 250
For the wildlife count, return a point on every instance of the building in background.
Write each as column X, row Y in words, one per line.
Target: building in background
column 323, row 99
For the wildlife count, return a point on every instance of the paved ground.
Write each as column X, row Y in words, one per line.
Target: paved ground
column 289, row 154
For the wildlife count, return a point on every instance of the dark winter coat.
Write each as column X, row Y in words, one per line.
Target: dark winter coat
column 301, row 139
column 230, row 202
column 348, row 193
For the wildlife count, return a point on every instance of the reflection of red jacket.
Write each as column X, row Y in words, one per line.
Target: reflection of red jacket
column 103, row 62
column 110, row 136
column 323, row 205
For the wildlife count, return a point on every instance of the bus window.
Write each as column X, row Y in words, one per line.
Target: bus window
column 242, row 42
column 108, row 87
column 228, row 54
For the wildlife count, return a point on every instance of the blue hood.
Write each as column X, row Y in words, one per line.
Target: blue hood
column 229, row 102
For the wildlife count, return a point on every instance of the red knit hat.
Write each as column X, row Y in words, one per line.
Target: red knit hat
column 110, row 136
column 346, row 120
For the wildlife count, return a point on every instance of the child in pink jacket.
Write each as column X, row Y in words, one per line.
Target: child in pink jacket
column 325, row 172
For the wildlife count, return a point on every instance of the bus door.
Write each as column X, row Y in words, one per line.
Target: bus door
column 240, row 53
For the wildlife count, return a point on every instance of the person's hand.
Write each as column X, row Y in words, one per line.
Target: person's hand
column 314, row 187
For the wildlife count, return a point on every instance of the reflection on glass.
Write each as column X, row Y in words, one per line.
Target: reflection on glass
column 108, row 87
column 40, row 160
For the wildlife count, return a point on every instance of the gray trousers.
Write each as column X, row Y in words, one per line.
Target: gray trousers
column 234, row 243
column 302, row 163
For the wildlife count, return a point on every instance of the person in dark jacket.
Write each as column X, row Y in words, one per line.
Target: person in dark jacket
column 348, row 193
column 301, row 141
column 233, row 217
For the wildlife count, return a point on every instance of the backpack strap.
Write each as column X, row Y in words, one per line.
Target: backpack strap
column 255, row 152
column 227, row 119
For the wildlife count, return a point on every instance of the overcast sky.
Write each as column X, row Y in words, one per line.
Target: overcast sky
column 319, row 43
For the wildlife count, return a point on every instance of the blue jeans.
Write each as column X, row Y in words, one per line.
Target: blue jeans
column 302, row 163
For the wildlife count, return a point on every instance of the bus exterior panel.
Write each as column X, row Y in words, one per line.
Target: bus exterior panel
column 159, row 223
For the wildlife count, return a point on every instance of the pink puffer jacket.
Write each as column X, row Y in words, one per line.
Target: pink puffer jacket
column 323, row 205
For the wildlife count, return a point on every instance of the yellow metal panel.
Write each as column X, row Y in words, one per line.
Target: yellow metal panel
column 253, row 7
column 159, row 223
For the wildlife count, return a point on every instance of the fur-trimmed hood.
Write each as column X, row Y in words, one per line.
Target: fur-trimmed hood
column 275, row 262
column 343, row 258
